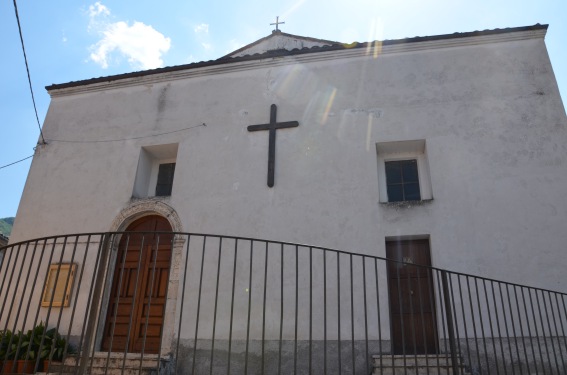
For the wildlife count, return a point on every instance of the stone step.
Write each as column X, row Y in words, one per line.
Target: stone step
column 412, row 360
column 431, row 364
column 103, row 364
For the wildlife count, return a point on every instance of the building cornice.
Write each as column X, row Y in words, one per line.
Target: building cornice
column 304, row 56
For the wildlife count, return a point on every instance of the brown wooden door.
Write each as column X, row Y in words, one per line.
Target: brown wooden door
column 139, row 288
column 412, row 299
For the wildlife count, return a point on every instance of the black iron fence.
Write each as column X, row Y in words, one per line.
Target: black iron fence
column 181, row 303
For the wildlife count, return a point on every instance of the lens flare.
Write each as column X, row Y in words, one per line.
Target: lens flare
column 327, row 110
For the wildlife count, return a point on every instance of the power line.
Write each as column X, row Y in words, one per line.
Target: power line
column 7, row 165
column 125, row 139
column 28, row 70
column 107, row 140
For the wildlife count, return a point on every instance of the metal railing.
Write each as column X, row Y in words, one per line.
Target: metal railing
column 181, row 303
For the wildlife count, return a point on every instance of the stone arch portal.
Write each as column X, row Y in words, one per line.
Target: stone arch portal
column 127, row 217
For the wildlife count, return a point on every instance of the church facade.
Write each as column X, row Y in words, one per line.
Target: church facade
column 454, row 146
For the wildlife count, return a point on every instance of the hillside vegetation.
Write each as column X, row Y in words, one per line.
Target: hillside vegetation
column 6, row 226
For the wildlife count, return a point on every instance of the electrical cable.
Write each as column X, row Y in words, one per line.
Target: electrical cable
column 124, row 139
column 106, row 140
column 28, row 70
column 7, row 165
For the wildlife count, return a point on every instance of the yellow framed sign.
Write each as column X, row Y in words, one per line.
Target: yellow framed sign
column 59, row 286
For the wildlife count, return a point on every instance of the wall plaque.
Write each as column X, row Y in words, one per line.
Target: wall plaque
column 59, row 285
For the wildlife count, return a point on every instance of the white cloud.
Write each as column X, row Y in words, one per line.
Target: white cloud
column 141, row 44
column 202, row 28
column 207, row 46
column 98, row 9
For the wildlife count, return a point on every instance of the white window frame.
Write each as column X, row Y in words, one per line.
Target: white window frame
column 404, row 150
column 148, row 168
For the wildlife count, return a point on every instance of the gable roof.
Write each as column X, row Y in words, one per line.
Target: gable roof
column 247, row 53
column 279, row 41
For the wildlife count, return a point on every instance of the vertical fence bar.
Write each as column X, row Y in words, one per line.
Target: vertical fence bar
column 198, row 305
column 411, row 309
column 9, row 249
column 378, row 314
column 490, row 325
column 182, row 303
column 507, row 331
column 442, row 308
column 464, row 320
column 422, row 319
column 95, row 304
column 458, row 339
column 325, row 312
column 60, row 310
column 79, row 283
column 296, row 308
column 9, row 287
column 27, row 352
column 450, row 327
column 310, row 306
column 535, row 328
column 514, row 328
column 25, row 357
column 215, row 309
column 562, row 330
column 400, row 303
column 527, row 324
column 14, row 293
column 281, row 309
column 480, row 319
column 168, row 278
column 106, row 275
column 499, row 332
column 556, row 331
column 25, row 286
column 151, row 292
column 339, row 310
column 97, row 264
column 264, row 306
column 473, row 322
column 232, row 305
column 352, row 315
column 367, row 354
column 165, row 303
column 543, row 331
column 249, row 307
column 121, row 263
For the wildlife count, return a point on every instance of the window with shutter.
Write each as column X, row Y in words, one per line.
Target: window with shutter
column 165, row 179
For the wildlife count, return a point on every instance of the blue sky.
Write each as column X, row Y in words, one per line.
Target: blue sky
column 69, row 40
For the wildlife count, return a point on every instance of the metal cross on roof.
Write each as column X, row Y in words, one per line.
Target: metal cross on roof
column 277, row 22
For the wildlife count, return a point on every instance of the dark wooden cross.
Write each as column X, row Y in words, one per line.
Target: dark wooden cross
column 272, row 127
column 277, row 22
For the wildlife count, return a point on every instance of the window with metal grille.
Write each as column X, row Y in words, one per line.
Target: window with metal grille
column 402, row 180
column 165, row 179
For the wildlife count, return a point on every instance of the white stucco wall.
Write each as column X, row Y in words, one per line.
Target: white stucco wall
column 490, row 114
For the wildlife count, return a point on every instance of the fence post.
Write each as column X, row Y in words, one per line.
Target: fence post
column 450, row 326
column 98, row 286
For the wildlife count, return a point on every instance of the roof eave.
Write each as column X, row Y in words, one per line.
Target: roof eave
column 282, row 53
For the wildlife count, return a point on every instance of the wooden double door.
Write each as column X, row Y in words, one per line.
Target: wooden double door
column 136, row 309
column 412, row 298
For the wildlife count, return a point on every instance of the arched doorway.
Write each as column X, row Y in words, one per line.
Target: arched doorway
column 136, row 308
